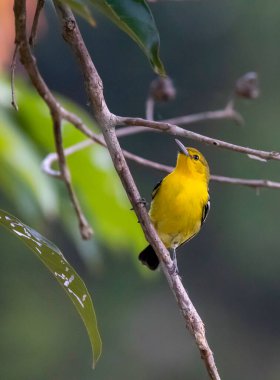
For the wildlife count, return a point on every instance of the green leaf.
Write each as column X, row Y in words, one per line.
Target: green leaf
column 81, row 9
column 135, row 18
column 54, row 260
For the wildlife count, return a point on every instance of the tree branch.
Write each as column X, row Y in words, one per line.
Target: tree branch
column 254, row 183
column 174, row 130
column 158, row 89
column 55, row 108
column 39, row 7
column 51, row 158
column 85, row 229
column 227, row 113
column 107, row 122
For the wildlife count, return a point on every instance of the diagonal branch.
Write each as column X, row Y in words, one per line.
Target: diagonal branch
column 174, row 130
column 107, row 122
column 228, row 113
column 56, row 110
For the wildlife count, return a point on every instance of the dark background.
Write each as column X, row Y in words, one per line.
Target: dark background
column 231, row 270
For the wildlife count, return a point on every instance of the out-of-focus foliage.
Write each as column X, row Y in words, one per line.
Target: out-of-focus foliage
column 25, row 138
column 21, row 177
column 63, row 272
column 134, row 18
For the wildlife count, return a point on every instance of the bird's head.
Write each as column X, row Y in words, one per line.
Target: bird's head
column 192, row 162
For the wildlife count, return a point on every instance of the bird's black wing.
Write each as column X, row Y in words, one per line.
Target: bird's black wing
column 156, row 189
column 205, row 212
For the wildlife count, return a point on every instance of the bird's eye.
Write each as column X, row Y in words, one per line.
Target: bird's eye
column 195, row 157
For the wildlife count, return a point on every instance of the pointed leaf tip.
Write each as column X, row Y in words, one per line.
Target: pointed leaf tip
column 63, row 272
column 134, row 17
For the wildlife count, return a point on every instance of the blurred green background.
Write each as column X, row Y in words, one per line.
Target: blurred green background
column 231, row 269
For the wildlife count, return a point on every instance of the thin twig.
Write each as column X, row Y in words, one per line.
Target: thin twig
column 57, row 112
column 51, row 158
column 39, row 7
column 13, row 68
column 227, row 113
column 177, row 131
column 85, row 229
column 254, row 183
column 107, row 122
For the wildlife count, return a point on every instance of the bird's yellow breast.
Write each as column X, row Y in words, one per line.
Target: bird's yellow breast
column 177, row 208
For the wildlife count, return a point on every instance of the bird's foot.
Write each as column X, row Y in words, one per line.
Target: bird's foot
column 175, row 264
column 174, row 269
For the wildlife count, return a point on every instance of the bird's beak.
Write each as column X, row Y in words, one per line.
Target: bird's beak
column 182, row 148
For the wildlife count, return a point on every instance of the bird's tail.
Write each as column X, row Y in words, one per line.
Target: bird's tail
column 149, row 258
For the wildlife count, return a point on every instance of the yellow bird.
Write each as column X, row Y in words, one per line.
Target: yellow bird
column 180, row 204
